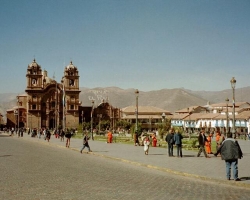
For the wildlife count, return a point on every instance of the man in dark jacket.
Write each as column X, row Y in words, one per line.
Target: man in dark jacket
column 202, row 139
column 170, row 140
column 230, row 152
column 178, row 142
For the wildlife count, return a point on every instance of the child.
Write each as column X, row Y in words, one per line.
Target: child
column 146, row 145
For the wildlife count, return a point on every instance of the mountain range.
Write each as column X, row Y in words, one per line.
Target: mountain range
column 168, row 99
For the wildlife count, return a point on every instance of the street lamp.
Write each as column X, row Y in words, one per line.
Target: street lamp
column 163, row 116
column 227, row 100
column 18, row 113
column 150, row 123
column 82, row 116
column 92, row 109
column 189, row 132
column 136, row 111
column 38, row 114
column 82, row 120
column 15, row 114
column 233, row 83
column 99, row 116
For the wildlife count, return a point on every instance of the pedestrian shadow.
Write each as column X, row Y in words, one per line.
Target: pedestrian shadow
column 188, row 156
column 4, row 135
column 5, row 155
column 245, row 178
column 101, row 151
column 157, row 154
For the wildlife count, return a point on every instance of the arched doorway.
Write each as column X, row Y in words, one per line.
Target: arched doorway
column 52, row 123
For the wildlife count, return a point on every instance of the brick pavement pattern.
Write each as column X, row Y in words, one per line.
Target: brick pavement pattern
column 32, row 168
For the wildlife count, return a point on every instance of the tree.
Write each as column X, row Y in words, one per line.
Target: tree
column 83, row 126
column 104, row 124
column 139, row 129
column 123, row 124
column 164, row 127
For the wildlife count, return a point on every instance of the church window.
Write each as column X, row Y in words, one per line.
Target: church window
column 34, row 81
column 53, row 104
column 34, row 107
column 72, row 107
column 71, row 82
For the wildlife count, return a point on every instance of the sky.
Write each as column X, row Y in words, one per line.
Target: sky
column 144, row 44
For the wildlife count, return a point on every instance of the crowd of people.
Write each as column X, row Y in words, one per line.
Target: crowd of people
column 227, row 148
column 44, row 133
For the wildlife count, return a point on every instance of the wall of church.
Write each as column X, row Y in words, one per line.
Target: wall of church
column 33, row 121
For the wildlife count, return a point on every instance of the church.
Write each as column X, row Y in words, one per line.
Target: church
column 47, row 103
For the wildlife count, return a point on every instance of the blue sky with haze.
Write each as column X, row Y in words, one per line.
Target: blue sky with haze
column 144, row 44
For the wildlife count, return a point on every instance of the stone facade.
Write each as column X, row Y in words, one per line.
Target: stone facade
column 47, row 103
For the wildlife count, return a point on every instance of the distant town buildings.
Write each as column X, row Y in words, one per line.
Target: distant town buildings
column 214, row 117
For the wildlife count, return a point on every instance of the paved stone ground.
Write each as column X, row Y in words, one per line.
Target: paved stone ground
column 32, row 168
column 189, row 165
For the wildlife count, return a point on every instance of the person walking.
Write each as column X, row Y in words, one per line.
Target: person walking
column 202, row 139
column 146, row 143
column 230, row 152
column 170, row 140
column 110, row 136
column 12, row 131
column 48, row 135
column 178, row 142
column 217, row 139
column 136, row 138
column 208, row 144
column 85, row 143
column 44, row 134
column 154, row 140
column 21, row 132
column 62, row 134
column 68, row 136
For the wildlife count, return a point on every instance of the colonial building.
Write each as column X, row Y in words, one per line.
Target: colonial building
column 98, row 113
column 16, row 116
column 148, row 116
column 47, row 103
